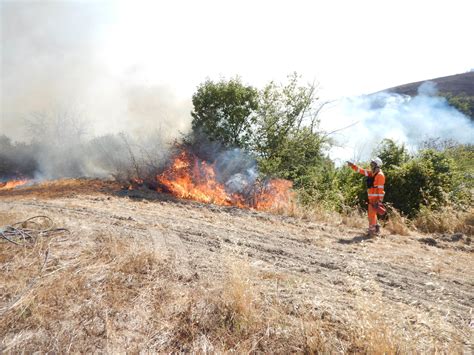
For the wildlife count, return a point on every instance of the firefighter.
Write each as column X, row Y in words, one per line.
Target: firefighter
column 375, row 190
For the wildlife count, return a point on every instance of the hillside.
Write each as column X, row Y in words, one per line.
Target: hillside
column 459, row 84
column 142, row 271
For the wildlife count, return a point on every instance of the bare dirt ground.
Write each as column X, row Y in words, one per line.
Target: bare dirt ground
column 417, row 290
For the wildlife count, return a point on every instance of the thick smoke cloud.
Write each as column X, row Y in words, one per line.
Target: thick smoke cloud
column 59, row 94
column 408, row 120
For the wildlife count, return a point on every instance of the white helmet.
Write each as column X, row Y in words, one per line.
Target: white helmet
column 377, row 161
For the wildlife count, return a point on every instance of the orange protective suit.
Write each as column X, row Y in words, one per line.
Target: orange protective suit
column 375, row 193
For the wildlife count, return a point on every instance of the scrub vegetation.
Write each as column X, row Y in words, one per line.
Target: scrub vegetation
column 279, row 126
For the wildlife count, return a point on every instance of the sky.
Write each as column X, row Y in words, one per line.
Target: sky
column 350, row 47
column 124, row 63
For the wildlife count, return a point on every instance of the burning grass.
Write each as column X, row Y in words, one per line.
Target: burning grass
column 63, row 188
column 11, row 184
column 189, row 177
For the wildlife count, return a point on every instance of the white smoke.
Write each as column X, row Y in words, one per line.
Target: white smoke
column 360, row 123
column 58, row 92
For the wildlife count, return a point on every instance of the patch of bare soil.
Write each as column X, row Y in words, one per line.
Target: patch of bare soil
column 457, row 241
column 143, row 271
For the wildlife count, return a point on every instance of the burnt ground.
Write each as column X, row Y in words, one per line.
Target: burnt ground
column 420, row 283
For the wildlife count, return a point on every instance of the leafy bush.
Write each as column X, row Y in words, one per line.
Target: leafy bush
column 224, row 111
column 428, row 179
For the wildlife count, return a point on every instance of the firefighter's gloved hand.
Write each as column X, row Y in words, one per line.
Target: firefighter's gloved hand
column 379, row 208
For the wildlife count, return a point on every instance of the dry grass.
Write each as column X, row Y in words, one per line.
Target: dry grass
column 354, row 218
column 239, row 316
column 70, row 295
column 447, row 220
column 110, row 294
column 101, row 292
column 396, row 223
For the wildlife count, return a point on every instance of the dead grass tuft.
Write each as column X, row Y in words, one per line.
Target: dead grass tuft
column 354, row 218
column 373, row 334
column 227, row 315
column 447, row 220
column 315, row 213
column 396, row 223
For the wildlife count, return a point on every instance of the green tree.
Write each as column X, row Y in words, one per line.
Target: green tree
column 224, row 111
column 286, row 140
column 284, row 111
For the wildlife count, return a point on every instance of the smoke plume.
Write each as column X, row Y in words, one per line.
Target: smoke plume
column 360, row 123
column 59, row 96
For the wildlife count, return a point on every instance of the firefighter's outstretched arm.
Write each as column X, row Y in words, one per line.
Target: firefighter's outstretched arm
column 358, row 169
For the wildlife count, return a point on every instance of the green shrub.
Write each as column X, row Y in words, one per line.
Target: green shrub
column 431, row 179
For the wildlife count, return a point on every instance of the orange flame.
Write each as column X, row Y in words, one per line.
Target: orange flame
column 134, row 183
column 11, row 184
column 276, row 195
column 190, row 178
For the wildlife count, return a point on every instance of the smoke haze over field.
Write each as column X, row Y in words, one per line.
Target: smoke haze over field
column 405, row 119
column 52, row 60
column 58, row 94
column 71, row 72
